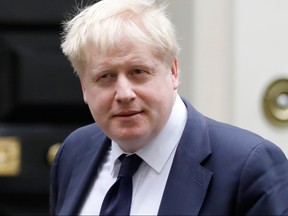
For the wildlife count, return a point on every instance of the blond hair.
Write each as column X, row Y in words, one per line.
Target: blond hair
column 101, row 26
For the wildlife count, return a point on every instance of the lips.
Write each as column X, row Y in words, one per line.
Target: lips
column 127, row 113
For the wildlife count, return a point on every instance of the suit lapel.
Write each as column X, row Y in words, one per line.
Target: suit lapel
column 188, row 181
column 83, row 175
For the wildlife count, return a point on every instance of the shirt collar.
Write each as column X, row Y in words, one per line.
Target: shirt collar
column 154, row 153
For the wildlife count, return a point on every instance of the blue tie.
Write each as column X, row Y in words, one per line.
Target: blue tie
column 118, row 198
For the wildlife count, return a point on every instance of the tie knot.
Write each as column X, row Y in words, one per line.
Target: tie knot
column 129, row 165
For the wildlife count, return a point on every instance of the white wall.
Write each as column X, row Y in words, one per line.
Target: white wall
column 204, row 29
column 180, row 11
column 260, row 57
column 232, row 50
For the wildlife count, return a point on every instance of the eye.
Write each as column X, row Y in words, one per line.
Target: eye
column 140, row 75
column 106, row 76
column 105, row 79
column 138, row 71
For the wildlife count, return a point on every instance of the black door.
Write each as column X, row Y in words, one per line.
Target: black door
column 40, row 101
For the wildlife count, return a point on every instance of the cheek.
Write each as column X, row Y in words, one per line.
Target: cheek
column 98, row 101
column 161, row 103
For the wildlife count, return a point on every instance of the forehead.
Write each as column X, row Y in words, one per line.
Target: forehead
column 122, row 45
column 125, row 51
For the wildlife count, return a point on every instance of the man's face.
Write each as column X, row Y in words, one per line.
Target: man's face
column 130, row 93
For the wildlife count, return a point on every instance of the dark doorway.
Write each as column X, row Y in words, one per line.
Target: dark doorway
column 40, row 100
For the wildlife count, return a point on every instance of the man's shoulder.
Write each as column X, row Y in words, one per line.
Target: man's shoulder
column 82, row 138
column 227, row 131
column 237, row 141
column 85, row 131
column 224, row 138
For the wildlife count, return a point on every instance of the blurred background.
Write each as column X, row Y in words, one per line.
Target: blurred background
column 234, row 68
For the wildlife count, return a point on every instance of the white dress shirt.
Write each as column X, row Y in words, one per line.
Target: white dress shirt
column 150, row 179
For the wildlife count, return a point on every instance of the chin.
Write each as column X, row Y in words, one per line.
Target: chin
column 131, row 142
column 127, row 134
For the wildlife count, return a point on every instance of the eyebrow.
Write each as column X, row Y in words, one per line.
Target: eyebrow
column 134, row 60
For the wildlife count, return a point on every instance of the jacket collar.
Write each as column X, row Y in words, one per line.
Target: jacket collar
column 188, row 181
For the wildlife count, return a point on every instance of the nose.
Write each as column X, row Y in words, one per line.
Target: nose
column 124, row 91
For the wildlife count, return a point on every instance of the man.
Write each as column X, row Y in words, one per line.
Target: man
column 125, row 53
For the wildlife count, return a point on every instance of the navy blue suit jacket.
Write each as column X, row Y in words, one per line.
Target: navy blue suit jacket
column 218, row 169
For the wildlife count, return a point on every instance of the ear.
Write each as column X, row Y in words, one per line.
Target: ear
column 175, row 73
column 84, row 92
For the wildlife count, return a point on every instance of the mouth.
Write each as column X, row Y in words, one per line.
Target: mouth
column 125, row 114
